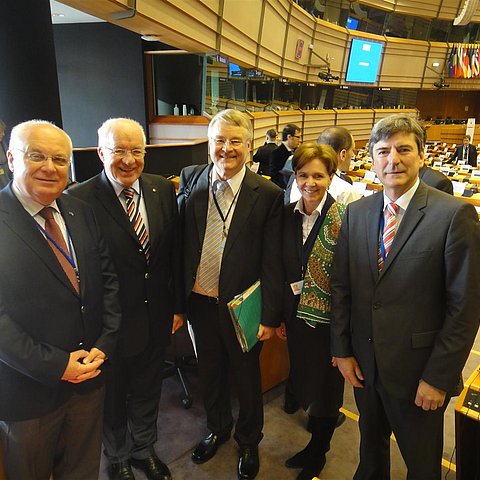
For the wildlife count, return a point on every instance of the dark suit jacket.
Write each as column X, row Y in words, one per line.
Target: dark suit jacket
column 5, row 174
column 149, row 293
column 263, row 157
column 419, row 316
column 436, row 179
column 472, row 155
column 254, row 242
column 42, row 319
column 278, row 157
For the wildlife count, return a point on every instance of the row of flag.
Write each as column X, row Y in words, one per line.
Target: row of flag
column 464, row 61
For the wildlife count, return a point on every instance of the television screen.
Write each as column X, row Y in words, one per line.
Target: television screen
column 352, row 23
column 235, row 70
column 364, row 61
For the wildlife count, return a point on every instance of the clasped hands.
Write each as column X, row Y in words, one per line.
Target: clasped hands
column 83, row 365
column 427, row 397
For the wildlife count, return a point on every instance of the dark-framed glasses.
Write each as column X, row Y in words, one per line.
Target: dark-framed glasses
column 123, row 152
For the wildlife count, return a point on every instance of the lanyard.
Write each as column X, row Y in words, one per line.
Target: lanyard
column 69, row 256
column 219, row 210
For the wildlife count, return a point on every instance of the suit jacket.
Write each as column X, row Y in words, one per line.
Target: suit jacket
column 278, row 157
column 5, row 174
column 149, row 293
column 263, row 157
column 418, row 317
column 254, row 243
column 42, row 318
column 472, row 155
column 436, row 179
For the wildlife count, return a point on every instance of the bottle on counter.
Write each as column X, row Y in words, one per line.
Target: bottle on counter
column 176, row 111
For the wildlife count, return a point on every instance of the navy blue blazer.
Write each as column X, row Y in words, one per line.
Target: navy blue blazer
column 42, row 318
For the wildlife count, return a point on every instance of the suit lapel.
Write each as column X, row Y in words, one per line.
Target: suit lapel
column 246, row 200
column 24, row 226
column 108, row 198
column 151, row 197
column 200, row 192
column 410, row 220
column 372, row 231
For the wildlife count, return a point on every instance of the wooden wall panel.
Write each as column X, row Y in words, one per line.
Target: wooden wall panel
column 447, row 103
column 300, row 27
column 358, row 122
column 403, row 63
column 261, row 122
column 437, row 53
column 274, row 27
column 290, row 116
column 449, row 9
column 388, row 5
column 315, row 121
column 425, row 8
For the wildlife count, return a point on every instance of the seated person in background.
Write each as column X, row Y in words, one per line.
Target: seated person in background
column 466, row 152
column 310, row 229
column 435, row 179
column 341, row 189
column 291, row 139
column 263, row 153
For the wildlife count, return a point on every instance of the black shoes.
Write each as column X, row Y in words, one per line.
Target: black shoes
column 291, row 405
column 207, row 448
column 248, row 463
column 121, row 471
column 153, row 468
column 310, row 464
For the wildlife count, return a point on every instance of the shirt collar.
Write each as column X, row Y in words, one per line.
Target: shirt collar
column 119, row 188
column 317, row 211
column 30, row 205
column 234, row 183
column 404, row 200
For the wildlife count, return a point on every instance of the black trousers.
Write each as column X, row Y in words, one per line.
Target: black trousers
column 66, row 442
column 134, row 386
column 221, row 361
column 419, row 435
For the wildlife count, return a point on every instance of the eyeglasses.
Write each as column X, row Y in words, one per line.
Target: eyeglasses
column 223, row 142
column 38, row 157
column 123, row 152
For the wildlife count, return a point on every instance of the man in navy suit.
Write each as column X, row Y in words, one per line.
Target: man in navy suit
column 59, row 314
column 250, row 220
column 144, row 245
column 405, row 303
column 291, row 139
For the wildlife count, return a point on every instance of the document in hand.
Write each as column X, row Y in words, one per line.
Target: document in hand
column 246, row 312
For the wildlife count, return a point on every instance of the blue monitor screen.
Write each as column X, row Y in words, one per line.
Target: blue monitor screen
column 235, row 70
column 364, row 61
column 352, row 23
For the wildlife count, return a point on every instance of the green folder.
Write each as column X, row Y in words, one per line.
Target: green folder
column 246, row 312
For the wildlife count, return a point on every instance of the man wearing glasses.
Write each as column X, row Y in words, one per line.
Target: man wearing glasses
column 232, row 220
column 59, row 314
column 139, row 216
column 291, row 139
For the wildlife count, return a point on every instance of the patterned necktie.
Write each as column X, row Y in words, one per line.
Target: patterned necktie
column 212, row 251
column 137, row 221
column 388, row 231
column 53, row 230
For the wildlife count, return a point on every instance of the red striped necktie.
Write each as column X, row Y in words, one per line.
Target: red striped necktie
column 388, row 231
column 54, row 232
column 136, row 220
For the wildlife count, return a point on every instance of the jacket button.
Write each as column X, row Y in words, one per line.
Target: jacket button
column 376, row 306
column 145, row 301
column 147, row 276
column 82, row 308
column 370, row 339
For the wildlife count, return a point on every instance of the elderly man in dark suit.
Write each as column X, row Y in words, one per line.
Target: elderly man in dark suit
column 406, row 308
column 5, row 174
column 435, row 179
column 243, row 211
column 139, row 216
column 59, row 314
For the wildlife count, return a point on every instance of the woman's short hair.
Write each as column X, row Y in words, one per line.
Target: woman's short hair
column 309, row 151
